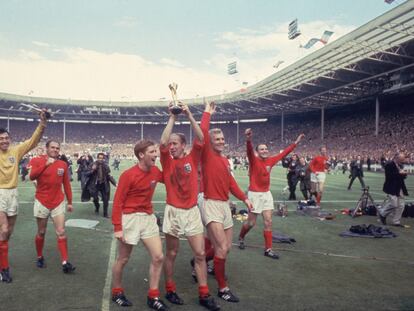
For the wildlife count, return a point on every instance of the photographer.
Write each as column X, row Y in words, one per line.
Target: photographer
column 394, row 187
column 303, row 176
column 97, row 183
column 291, row 176
column 84, row 162
column 356, row 172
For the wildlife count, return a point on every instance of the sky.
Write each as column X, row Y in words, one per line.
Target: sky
column 131, row 50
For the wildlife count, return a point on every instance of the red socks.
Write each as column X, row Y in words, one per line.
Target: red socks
column 170, row 287
column 4, row 254
column 63, row 248
column 268, row 239
column 117, row 290
column 318, row 198
column 153, row 293
column 219, row 270
column 39, row 242
column 203, row 291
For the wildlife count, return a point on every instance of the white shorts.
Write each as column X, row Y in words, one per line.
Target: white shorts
column 261, row 201
column 318, row 177
column 217, row 211
column 8, row 201
column 41, row 211
column 180, row 221
column 137, row 226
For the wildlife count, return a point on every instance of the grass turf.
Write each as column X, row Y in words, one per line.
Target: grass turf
column 322, row 271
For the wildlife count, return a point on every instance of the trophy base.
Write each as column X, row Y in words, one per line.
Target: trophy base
column 176, row 110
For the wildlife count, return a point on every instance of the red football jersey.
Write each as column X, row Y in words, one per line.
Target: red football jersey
column 181, row 176
column 134, row 193
column 259, row 169
column 318, row 164
column 217, row 178
column 50, row 180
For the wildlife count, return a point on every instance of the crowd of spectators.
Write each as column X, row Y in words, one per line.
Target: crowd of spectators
column 346, row 135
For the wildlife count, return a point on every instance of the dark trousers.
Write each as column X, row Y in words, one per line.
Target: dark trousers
column 360, row 180
column 292, row 182
column 100, row 189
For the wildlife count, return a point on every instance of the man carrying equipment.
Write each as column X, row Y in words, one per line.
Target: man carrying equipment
column 182, row 216
column 50, row 174
column 259, row 194
column 133, row 220
column 9, row 170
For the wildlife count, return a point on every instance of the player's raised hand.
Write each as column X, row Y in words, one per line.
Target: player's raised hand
column 210, row 107
column 185, row 108
column 42, row 115
column 170, row 107
column 300, row 137
column 249, row 133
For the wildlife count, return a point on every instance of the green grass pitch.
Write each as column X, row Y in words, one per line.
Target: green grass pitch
column 321, row 271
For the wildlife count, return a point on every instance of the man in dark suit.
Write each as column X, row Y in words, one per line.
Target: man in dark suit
column 394, row 187
column 356, row 172
column 98, row 183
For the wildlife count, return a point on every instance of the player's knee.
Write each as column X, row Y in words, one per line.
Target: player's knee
column 4, row 231
column 200, row 255
column 158, row 259
column 223, row 249
column 122, row 260
column 172, row 253
column 41, row 233
column 60, row 232
column 251, row 223
column 268, row 223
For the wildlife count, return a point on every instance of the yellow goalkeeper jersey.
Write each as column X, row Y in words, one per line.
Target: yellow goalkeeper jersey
column 9, row 160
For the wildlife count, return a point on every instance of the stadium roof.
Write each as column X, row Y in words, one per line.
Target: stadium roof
column 367, row 62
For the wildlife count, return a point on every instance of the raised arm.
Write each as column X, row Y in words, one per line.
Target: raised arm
column 249, row 145
column 276, row 158
column 196, row 128
column 165, row 136
column 32, row 142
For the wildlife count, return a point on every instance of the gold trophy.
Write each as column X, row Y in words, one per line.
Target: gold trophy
column 174, row 105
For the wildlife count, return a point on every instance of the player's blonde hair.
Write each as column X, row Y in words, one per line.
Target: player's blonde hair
column 214, row 131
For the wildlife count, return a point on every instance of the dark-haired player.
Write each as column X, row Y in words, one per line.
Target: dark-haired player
column 51, row 174
column 9, row 170
column 259, row 194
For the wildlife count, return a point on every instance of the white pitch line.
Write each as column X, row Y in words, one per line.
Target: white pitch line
column 108, row 280
column 275, row 201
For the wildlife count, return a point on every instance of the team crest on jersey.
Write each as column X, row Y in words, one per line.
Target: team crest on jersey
column 12, row 159
column 187, row 168
column 153, row 184
column 60, row 171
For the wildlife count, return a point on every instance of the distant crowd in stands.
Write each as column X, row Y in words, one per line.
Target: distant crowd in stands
column 346, row 135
